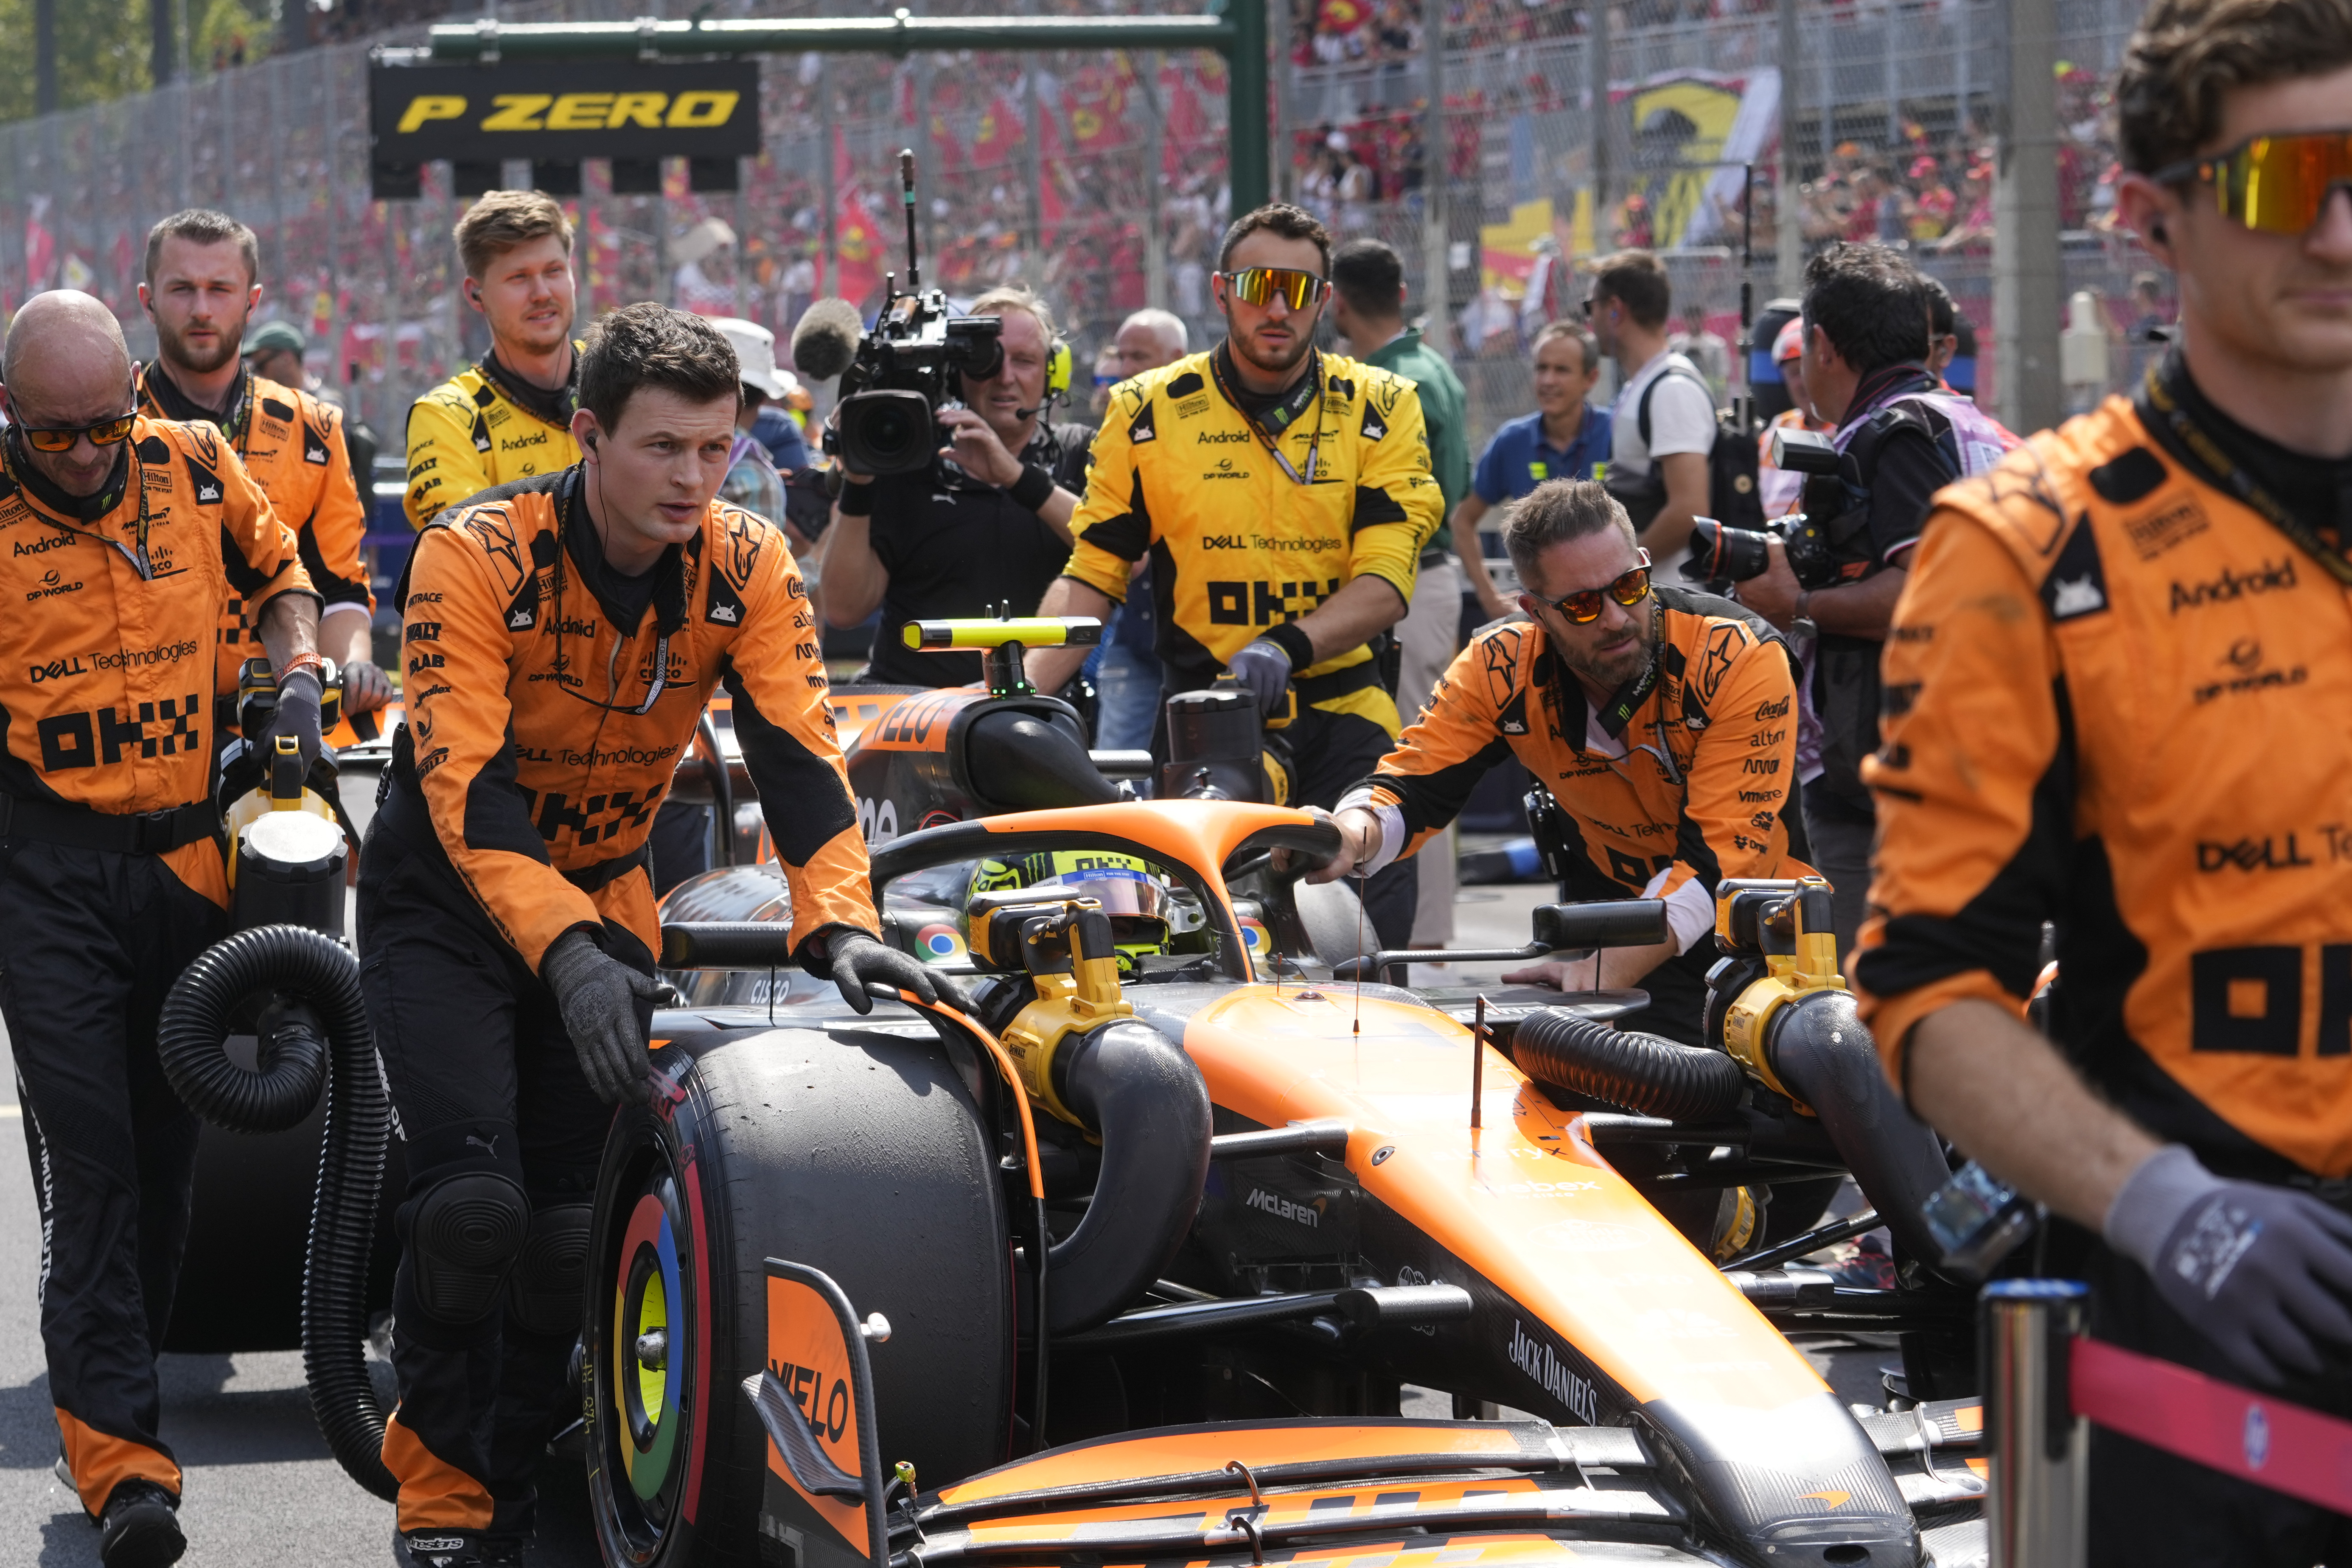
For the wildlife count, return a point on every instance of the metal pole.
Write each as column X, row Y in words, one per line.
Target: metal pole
column 2039, row 1449
column 1032, row 157
column 1246, row 106
column 1437, row 276
column 1155, row 235
column 1788, row 206
column 1596, row 67
column 44, row 56
column 829, row 222
column 2028, row 280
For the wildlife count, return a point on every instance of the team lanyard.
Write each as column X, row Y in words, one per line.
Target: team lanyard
column 659, row 681
column 235, row 424
column 1313, row 383
column 136, row 555
column 2199, row 451
column 1618, row 711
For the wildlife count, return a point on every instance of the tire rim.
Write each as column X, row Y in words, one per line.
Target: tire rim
column 645, row 1388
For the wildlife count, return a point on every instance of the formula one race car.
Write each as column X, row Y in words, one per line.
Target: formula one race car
column 1171, row 1173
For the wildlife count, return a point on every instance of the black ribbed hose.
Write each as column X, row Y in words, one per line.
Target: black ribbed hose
column 313, row 983
column 1621, row 1067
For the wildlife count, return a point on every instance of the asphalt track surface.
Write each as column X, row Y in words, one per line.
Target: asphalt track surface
column 261, row 1488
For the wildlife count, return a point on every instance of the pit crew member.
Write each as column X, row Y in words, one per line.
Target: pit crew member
column 1661, row 720
column 125, row 535
column 1283, row 497
column 508, row 416
column 2111, row 681
column 202, row 286
column 958, row 541
column 562, row 635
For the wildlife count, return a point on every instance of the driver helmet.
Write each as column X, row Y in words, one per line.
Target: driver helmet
column 1134, row 897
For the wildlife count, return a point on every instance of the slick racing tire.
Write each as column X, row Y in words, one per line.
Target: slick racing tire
column 864, row 1158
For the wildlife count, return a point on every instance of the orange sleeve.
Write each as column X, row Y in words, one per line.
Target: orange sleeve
column 454, row 649
column 259, row 552
column 333, row 537
column 1974, row 783
column 1440, row 759
column 1751, row 740
column 784, row 717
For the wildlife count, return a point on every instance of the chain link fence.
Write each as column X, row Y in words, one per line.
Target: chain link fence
column 1100, row 178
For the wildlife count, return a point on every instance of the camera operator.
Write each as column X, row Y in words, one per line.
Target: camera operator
column 1901, row 436
column 2124, row 656
column 987, row 525
column 1283, row 497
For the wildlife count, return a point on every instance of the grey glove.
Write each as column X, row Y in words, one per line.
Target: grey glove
column 598, row 996
column 298, row 715
column 1264, row 669
column 2265, row 1272
column 857, row 960
column 365, row 686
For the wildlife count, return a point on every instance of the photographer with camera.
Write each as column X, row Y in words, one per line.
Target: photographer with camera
column 1901, row 436
column 1283, row 497
column 986, row 523
column 1658, row 719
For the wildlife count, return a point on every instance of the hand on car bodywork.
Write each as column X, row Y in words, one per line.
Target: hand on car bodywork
column 598, row 995
column 857, row 960
column 1360, row 840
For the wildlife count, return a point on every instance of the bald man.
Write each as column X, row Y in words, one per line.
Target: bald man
column 125, row 536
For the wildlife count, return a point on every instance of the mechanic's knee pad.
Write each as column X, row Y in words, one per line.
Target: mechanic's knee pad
column 550, row 1277
column 464, row 1237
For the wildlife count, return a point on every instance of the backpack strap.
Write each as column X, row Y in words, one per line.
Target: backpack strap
column 1642, row 409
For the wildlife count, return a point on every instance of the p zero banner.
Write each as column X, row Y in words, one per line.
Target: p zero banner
column 559, row 111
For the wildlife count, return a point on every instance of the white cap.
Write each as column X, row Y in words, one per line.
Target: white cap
column 755, row 354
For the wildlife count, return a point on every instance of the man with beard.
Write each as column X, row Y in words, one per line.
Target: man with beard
column 509, row 415
column 1283, row 497
column 202, row 286
column 1659, row 720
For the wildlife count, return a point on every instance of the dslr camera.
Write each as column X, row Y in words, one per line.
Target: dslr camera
column 902, row 375
column 1719, row 553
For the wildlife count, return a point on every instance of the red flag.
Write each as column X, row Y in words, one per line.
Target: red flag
column 41, row 246
column 1097, row 102
column 858, row 242
column 1001, row 129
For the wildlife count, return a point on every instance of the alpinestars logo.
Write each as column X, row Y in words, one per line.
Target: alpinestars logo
column 1283, row 1208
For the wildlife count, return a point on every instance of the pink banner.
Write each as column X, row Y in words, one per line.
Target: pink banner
column 2272, row 1444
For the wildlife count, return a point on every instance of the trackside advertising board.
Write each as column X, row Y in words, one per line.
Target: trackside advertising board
column 558, row 111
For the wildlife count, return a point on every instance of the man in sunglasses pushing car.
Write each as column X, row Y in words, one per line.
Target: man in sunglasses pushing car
column 2116, row 695
column 1661, row 720
column 1283, row 497
column 125, row 536
column 563, row 635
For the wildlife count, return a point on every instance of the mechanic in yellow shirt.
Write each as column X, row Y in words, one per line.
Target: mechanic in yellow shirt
column 1283, row 497
column 509, row 415
column 1659, row 720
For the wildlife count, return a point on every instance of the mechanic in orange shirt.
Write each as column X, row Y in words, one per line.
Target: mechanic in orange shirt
column 1661, row 720
column 563, row 633
column 202, row 286
column 120, row 538
column 2115, row 695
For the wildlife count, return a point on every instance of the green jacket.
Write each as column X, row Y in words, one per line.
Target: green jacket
column 1443, row 411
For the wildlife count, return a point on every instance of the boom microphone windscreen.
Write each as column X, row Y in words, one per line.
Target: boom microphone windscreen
column 825, row 341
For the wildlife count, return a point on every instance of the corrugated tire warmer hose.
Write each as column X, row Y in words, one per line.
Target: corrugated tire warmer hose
column 318, row 981
column 1639, row 1071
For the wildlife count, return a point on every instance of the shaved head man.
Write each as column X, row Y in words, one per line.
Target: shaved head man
column 67, row 365
column 128, row 537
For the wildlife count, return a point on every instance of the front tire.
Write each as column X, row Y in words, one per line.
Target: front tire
column 864, row 1157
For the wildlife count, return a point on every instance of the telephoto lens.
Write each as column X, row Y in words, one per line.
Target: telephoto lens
column 1720, row 554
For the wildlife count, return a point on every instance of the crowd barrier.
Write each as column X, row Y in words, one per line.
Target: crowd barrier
column 2046, row 1381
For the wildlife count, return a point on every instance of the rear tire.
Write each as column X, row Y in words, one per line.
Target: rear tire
column 864, row 1158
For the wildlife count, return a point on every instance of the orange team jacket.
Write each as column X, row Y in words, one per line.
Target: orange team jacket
column 2116, row 699
column 293, row 446
column 1693, row 788
column 106, row 648
column 543, row 736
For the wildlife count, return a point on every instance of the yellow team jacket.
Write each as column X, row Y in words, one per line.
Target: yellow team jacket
column 1237, row 545
column 467, row 434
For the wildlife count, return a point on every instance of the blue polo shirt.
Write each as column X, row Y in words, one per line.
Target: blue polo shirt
column 1518, row 458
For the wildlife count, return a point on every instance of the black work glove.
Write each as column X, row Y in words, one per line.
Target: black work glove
column 2265, row 1272
column 298, row 716
column 598, row 996
column 1265, row 668
column 855, row 959
column 365, row 686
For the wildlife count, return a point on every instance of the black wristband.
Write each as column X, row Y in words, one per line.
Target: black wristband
column 1287, row 636
column 856, row 500
column 1034, row 488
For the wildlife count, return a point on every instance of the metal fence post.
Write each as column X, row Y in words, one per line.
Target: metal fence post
column 2039, row 1448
